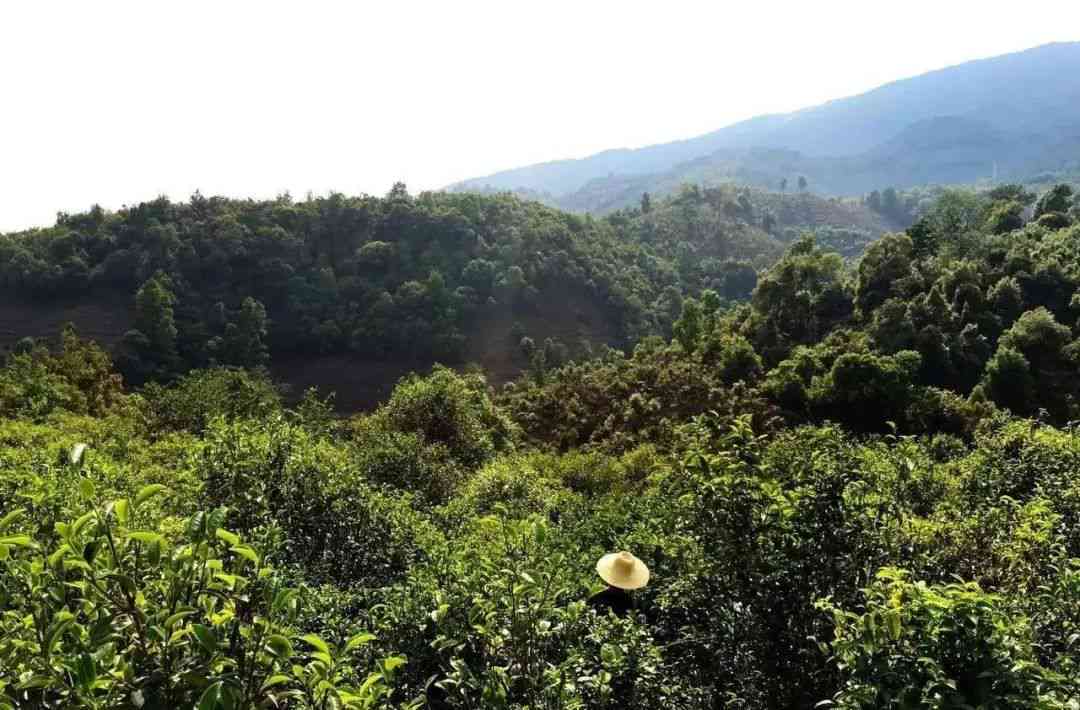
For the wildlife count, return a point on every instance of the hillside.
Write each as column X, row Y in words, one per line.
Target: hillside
column 794, row 210
column 1013, row 115
column 857, row 490
column 350, row 293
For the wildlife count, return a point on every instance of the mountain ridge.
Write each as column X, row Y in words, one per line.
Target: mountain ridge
column 1027, row 97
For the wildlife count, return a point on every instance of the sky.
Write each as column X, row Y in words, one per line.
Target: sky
column 115, row 102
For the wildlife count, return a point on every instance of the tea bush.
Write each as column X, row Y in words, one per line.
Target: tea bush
column 116, row 614
column 159, row 553
column 952, row 646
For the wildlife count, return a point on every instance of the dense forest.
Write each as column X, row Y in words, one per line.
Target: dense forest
column 415, row 278
column 854, row 477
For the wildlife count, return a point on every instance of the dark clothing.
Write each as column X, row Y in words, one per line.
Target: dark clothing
column 618, row 601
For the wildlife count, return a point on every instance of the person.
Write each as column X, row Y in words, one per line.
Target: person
column 623, row 573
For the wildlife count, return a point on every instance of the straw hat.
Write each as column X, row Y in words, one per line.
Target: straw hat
column 623, row 570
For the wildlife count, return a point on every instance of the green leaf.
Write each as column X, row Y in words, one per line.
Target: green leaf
column 55, row 633
column 18, row 541
column 316, row 642
column 359, row 640
column 207, row 638
column 86, row 488
column 175, row 618
column 373, row 679
column 893, row 622
column 58, row 554
column 121, row 507
column 76, row 563
column 216, row 518
column 36, row 681
column 246, row 552
column 283, row 598
column 230, row 580
column 85, row 671
column 79, row 524
column 148, row 492
column 11, row 517
column 211, row 697
column 279, row 646
column 146, row 536
column 230, row 537
column 275, row 680
column 126, row 583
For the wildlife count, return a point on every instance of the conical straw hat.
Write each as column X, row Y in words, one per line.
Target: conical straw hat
column 623, row 570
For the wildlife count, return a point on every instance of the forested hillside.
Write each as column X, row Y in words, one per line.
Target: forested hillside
column 1008, row 117
column 856, row 489
column 376, row 286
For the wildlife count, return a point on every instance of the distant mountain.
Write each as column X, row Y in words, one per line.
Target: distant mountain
column 1010, row 116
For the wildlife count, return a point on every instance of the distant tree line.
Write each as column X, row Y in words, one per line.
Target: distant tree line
column 220, row 281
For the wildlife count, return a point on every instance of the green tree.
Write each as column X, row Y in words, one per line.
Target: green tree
column 891, row 327
column 1005, row 217
column 1006, row 299
column 881, row 271
column 733, row 357
column 1008, row 381
column 480, row 275
column 1032, row 369
column 451, row 410
column 244, row 341
column 1057, row 200
column 798, row 300
column 151, row 345
column 1013, row 192
column 867, row 391
column 740, row 278
column 154, row 316
column 688, row 328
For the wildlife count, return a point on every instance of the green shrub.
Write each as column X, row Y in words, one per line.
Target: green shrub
column 953, row 646
column 40, row 476
column 403, row 460
column 519, row 485
column 78, row 378
column 452, row 410
column 303, row 495
column 203, row 395
column 114, row 614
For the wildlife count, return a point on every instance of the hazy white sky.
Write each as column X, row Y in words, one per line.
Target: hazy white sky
column 117, row 102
